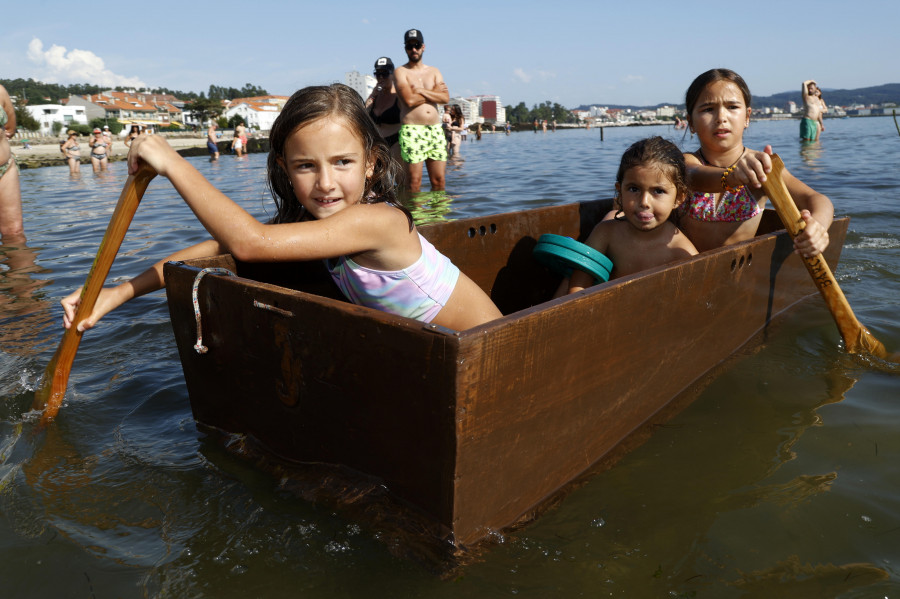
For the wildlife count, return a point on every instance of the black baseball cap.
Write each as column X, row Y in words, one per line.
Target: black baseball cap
column 384, row 64
column 413, row 35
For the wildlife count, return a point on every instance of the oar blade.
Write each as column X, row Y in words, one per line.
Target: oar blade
column 49, row 396
column 857, row 339
column 867, row 343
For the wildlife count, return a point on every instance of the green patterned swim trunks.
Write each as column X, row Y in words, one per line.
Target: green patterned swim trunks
column 808, row 128
column 422, row 142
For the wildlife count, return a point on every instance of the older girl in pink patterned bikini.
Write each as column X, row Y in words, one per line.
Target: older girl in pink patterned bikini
column 727, row 200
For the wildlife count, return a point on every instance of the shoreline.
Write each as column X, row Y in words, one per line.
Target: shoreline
column 47, row 154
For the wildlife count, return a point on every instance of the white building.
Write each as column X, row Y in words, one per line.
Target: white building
column 489, row 109
column 259, row 113
column 665, row 111
column 469, row 109
column 362, row 84
column 47, row 114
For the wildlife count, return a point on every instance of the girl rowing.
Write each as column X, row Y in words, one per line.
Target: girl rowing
column 727, row 202
column 332, row 178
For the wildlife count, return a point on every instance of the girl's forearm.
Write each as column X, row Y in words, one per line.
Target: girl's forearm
column 152, row 279
column 821, row 209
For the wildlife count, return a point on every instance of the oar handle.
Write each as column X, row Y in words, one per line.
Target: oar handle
column 855, row 335
column 128, row 203
column 56, row 376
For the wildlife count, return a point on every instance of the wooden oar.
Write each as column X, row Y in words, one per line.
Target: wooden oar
column 56, row 376
column 857, row 338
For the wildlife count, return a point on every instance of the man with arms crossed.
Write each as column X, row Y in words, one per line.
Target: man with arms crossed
column 421, row 88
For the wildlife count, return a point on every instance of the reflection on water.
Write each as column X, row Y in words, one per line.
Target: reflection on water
column 811, row 153
column 25, row 317
column 18, row 288
column 780, row 479
column 428, row 207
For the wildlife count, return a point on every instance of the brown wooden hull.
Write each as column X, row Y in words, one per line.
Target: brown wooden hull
column 474, row 428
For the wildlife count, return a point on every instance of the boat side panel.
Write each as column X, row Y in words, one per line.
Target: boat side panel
column 546, row 395
column 496, row 251
column 315, row 380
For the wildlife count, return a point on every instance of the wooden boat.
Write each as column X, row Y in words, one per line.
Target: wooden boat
column 474, row 428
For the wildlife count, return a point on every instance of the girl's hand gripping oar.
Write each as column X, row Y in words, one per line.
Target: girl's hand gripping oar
column 857, row 338
column 53, row 387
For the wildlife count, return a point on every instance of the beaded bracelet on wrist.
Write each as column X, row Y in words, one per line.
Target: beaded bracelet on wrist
column 725, row 185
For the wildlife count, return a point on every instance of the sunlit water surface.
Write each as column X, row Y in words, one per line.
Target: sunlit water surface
column 780, row 480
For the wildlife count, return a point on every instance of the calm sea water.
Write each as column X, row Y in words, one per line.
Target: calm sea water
column 782, row 478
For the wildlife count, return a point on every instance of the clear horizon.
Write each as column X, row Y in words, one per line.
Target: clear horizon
column 585, row 55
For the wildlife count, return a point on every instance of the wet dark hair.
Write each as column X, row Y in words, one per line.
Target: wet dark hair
column 657, row 152
column 317, row 102
column 712, row 76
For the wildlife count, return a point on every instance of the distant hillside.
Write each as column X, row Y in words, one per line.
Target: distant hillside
column 889, row 92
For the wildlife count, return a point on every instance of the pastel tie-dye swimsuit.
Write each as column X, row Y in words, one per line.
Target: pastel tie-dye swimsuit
column 419, row 291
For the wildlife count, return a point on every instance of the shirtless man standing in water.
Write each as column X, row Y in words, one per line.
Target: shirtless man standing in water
column 212, row 142
column 421, row 88
column 812, row 112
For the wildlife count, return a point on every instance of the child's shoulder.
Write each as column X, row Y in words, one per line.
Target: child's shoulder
column 601, row 227
column 692, row 158
column 378, row 214
column 603, row 234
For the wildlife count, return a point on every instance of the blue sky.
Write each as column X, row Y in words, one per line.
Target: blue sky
column 569, row 52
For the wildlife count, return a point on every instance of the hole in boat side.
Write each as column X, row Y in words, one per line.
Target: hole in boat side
column 482, row 230
column 741, row 262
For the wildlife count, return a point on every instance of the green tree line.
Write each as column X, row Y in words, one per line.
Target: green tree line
column 545, row 111
column 230, row 93
column 29, row 91
column 37, row 92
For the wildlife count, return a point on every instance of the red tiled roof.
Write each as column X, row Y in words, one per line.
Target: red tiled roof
column 260, row 99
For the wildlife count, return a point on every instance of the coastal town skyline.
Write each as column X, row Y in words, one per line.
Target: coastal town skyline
column 616, row 55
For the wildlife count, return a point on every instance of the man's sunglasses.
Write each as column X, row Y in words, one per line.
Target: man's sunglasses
column 413, row 45
column 382, row 73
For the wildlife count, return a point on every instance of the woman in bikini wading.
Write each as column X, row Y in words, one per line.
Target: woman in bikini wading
column 99, row 157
